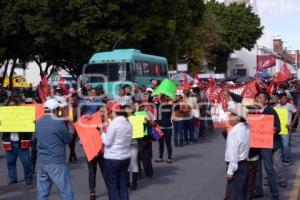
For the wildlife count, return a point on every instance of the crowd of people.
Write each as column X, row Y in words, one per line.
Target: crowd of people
column 182, row 121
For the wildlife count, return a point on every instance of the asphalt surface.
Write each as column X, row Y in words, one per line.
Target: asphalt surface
column 197, row 173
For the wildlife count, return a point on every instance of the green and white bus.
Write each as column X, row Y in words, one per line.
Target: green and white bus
column 124, row 66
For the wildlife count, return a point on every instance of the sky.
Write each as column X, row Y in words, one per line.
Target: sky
column 282, row 18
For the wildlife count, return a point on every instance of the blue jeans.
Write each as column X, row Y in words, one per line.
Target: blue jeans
column 57, row 174
column 11, row 159
column 117, row 178
column 188, row 130
column 178, row 133
column 266, row 157
column 196, row 133
column 286, row 148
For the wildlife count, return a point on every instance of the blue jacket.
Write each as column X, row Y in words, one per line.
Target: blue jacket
column 52, row 136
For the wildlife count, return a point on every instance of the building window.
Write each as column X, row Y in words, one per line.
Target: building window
column 239, row 72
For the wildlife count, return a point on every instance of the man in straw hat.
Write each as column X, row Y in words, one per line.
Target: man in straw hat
column 236, row 153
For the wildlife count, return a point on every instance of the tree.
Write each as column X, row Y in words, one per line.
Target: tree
column 64, row 34
column 241, row 28
column 207, row 37
column 15, row 40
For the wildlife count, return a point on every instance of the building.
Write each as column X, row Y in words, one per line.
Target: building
column 244, row 62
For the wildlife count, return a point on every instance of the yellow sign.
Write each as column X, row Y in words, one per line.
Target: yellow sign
column 137, row 123
column 17, row 119
column 284, row 117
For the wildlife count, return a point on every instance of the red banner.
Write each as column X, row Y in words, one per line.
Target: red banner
column 265, row 61
column 284, row 74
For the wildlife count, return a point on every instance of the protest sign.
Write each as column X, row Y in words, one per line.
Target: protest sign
column 262, row 130
column 17, row 119
column 39, row 110
column 284, row 120
column 167, row 87
column 137, row 123
column 88, row 134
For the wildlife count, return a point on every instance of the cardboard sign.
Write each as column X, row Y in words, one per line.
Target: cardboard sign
column 39, row 110
column 89, row 136
column 262, row 131
column 283, row 115
column 137, row 123
column 17, row 119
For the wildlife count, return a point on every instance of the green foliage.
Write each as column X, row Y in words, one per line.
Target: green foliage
column 206, row 37
column 65, row 33
column 240, row 29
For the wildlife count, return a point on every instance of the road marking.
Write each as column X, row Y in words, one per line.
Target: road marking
column 296, row 187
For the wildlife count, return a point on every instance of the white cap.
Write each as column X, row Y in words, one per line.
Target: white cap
column 61, row 101
column 149, row 90
column 51, row 104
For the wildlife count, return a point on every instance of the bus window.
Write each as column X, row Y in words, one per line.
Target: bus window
column 157, row 69
column 145, row 69
column 164, row 70
column 122, row 72
column 139, row 68
column 112, row 71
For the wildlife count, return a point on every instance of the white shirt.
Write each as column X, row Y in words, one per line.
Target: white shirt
column 124, row 100
column 14, row 137
column 291, row 109
column 117, row 139
column 237, row 146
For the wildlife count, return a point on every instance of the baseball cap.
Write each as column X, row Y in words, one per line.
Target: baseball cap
column 149, row 90
column 51, row 104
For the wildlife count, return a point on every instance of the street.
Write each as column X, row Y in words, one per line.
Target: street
column 197, row 173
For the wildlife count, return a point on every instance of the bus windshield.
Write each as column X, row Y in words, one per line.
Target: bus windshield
column 107, row 72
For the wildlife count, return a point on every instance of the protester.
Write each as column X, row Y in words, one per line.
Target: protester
column 266, row 155
column 164, row 115
column 117, row 140
column 133, row 168
column 123, row 99
column 17, row 145
column 236, row 154
column 98, row 160
column 52, row 136
column 286, row 139
column 72, row 117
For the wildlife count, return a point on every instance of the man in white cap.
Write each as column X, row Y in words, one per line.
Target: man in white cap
column 52, row 136
column 236, row 154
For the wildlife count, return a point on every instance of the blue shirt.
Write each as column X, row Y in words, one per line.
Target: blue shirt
column 52, row 136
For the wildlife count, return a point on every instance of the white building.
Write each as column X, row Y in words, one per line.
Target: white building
column 243, row 62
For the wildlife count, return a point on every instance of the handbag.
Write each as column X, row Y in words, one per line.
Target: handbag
column 154, row 134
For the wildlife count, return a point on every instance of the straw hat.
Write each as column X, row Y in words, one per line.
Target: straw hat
column 240, row 110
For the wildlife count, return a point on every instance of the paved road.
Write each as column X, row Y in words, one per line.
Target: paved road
column 198, row 173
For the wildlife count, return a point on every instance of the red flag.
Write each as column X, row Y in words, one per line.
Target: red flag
column 211, row 81
column 44, row 89
column 46, row 86
column 41, row 92
column 186, row 84
column 250, row 90
column 62, row 85
column 196, row 79
column 265, row 61
column 284, row 74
